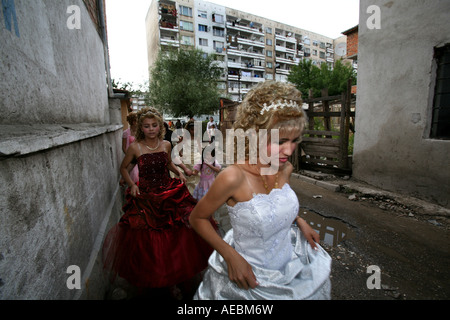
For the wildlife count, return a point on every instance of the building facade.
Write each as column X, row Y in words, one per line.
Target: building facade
column 60, row 150
column 249, row 48
column 402, row 140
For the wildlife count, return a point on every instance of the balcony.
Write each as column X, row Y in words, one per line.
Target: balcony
column 249, row 42
column 282, row 71
column 280, row 37
column 168, row 26
column 238, row 27
column 244, row 53
column 280, row 48
column 220, row 50
column 169, row 42
column 285, row 60
column 168, row 8
column 246, row 78
column 285, row 49
column 236, row 90
column 291, row 39
column 240, row 65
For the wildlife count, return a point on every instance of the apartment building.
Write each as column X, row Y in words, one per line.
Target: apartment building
column 249, row 48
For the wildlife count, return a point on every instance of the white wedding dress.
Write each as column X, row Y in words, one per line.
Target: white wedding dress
column 285, row 265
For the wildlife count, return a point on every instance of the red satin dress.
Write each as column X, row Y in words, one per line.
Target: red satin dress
column 153, row 244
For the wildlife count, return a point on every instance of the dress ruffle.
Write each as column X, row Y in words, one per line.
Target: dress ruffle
column 305, row 276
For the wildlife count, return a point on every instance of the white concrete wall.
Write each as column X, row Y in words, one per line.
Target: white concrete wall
column 152, row 33
column 59, row 153
column 395, row 88
column 210, row 8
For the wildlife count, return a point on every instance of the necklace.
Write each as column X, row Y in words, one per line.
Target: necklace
column 275, row 186
column 152, row 149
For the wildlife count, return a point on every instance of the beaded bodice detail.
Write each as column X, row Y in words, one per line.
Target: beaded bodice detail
column 261, row 227
column 153, row 170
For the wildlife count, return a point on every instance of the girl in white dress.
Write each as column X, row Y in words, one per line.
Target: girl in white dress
column 270, row 252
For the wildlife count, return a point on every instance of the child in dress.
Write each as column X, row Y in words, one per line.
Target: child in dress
column 128, row 138
column 208, row 170
column 153, row 245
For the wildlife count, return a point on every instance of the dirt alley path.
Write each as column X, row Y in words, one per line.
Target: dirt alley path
column 413, row 254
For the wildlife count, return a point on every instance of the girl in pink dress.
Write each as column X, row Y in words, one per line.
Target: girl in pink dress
column 128, row 138
column 208, row 170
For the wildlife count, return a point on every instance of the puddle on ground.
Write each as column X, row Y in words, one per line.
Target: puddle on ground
column 331, row 231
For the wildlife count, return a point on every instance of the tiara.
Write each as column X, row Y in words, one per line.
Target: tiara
column 278, row 105
column 150, row 112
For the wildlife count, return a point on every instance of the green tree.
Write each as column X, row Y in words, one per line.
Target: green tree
column 303, row 76
column 184, row 83
column 307, row 76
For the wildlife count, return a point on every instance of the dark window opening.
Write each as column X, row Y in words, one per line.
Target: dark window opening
column 440, row 125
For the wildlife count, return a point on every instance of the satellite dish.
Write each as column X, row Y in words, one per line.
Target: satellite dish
column 341, row 49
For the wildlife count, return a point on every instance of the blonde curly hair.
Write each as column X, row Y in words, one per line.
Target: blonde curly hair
column 253, row 112
column 151, row 113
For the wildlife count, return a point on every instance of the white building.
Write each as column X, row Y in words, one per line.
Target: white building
column 249, row 48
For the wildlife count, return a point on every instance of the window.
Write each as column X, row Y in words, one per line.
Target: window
column 186, row 40
column 440, row 124
column 307, row 52
column 218, row 18
column 202, row 14
column 186, row 11
column 269, row 65
column 269, row 30
column 187, row 26
column 322, row 54
column 218, row 32
column 203, row 42
column 269, row 53
column 269, row 42
column 218, row 46
column 202, row 27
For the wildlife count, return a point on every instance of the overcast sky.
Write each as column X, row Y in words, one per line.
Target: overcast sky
column 126, row 26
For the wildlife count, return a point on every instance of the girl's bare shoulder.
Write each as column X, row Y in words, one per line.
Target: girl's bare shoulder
column 231, row 175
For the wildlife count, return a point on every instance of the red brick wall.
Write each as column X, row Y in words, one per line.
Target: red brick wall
column 93, row 10
column 352, row 43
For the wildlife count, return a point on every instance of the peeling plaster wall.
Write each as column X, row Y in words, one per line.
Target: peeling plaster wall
column 60, row 150
column 49, row 72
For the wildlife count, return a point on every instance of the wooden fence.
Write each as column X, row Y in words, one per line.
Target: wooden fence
column 327, row 149
column 228, row 109
column 324, row 150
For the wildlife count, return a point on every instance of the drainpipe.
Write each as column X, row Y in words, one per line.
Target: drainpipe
column 101, row 18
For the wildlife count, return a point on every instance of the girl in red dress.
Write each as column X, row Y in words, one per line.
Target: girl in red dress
column 153, row 245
